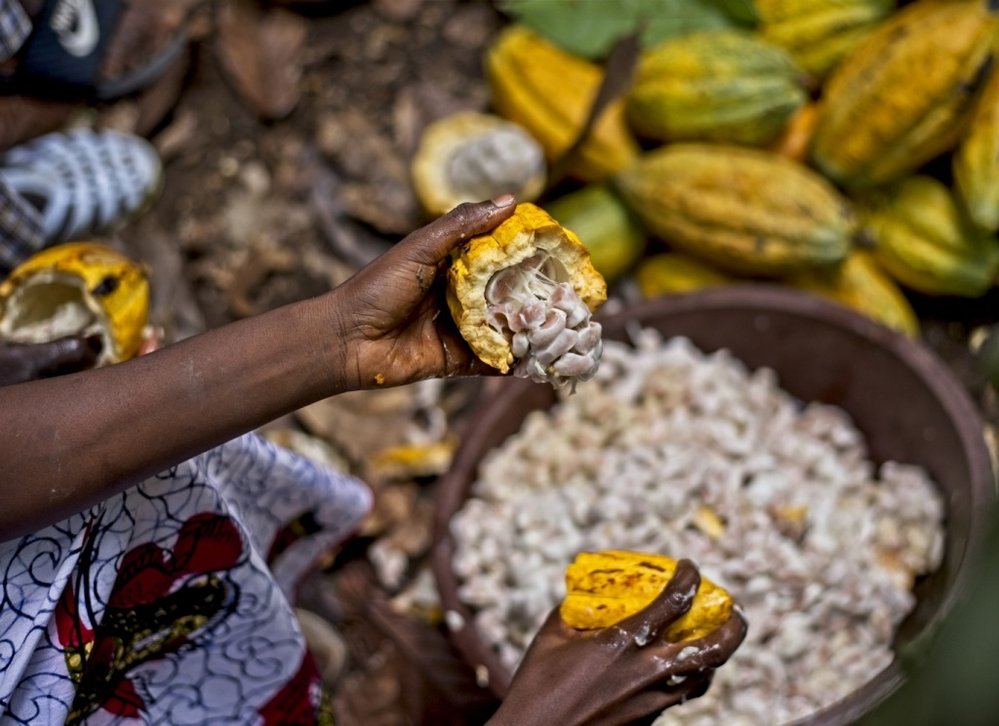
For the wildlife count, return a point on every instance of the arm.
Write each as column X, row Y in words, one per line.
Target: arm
column 67, row 443
column 623, row 674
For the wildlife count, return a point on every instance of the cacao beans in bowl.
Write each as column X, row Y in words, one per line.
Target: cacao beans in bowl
column 905, row 402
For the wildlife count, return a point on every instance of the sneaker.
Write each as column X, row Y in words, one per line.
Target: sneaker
column 83, row 182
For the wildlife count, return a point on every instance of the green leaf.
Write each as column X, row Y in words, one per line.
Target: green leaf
column 590, row 28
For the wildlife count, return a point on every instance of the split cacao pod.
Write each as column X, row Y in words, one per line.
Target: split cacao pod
column 820, row 33
column 744, row 210
column 721, row 85
column 976, row 163
column 604, row 588
column 902, row 96
column 549, row 92
column 923, row 239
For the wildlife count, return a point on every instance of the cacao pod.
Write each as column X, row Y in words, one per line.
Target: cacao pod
column 796, row 138
column 549, row 92
column 672, row 272
column 820, row 33
column 529, row 235
column 976, row 163
column 923, row 239
column 467, row 157
column 599, row 218
column 80, row 288
column 604, row 588
column 860, row 284
column 745, row 210
column 902, row 96
column 720, row 85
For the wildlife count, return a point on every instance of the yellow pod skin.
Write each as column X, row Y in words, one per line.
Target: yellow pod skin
column 820, row 33
column 528, row 232
column 671, row 273
column 78, row 280
column 549, row 92
column 744, row 210
column 860, row 284
column 727, row 85
column 902, row 96
column 604, row 588
column 976, row 162
column 923, row 239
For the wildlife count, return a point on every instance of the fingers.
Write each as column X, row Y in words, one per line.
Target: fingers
column 65, row 355
column 645, row 708
column 431, row 244
column 673, row 602
column 707, row 653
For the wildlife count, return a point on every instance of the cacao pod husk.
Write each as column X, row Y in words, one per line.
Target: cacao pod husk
column 976, row 162
column 672, row 273
column 604, row 588
column 549, row 92
column 902, row 96
column 720, row 85
column 610, row 232
column 744, row 210
column 923, row 239
column 819, row 33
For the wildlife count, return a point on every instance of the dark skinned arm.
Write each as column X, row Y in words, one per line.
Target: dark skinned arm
column 67, row 443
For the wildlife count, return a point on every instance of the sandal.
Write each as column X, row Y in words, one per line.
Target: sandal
column 83, row 182
column 64, row 56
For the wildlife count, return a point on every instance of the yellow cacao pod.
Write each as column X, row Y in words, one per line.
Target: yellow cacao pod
column 671, row 273
column 720, row 85
column 744, row 210
column 79, row 288
column 604, row 588
column 599, row 218
column 902, row 96
column 820, row 33
column 924, row 240
column 549, row 92
column 976, row 163
column 859, row 283
column 796, row 137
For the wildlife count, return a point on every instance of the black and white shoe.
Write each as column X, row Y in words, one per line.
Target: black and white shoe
column 83, row 182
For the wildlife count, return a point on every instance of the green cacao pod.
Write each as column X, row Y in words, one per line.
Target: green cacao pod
column 745, row 210
column 820, row 33
column 976, row 163
column 924, row 240
column 902, row 96
column 715, row 86
column 604, row 225
column 549, row 92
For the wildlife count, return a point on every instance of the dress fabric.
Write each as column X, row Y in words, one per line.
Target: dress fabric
column 170, row 602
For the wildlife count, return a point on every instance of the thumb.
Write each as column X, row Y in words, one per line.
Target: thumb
column 431, row 244
column 65, row 355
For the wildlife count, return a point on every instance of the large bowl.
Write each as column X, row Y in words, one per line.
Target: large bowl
column 908, row 405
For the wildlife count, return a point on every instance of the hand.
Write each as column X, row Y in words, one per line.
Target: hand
column 571, row 677
column 394, row 320
column 20, row 362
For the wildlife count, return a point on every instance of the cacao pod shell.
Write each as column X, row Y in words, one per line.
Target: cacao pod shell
column 820, row 33
column 924, row 240
column 744, row 210
column 599, row 218
column 976, row 163
column 672, row 273
column 549, row 92
column 902, row 96
column 721, row 85
column 604, row 588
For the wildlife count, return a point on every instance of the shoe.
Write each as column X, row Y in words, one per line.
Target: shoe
column 83, row 182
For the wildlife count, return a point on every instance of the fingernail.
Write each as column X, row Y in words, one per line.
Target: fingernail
column 503, row 200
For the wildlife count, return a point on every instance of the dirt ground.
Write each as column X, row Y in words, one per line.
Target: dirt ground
column 256, row 213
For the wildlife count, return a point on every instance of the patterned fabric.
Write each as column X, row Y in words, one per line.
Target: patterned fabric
column 20, row 229
column 169, row 603
column 15, row 27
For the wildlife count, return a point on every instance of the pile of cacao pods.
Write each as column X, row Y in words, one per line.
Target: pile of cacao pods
column 849, row 148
